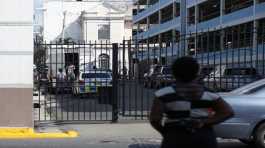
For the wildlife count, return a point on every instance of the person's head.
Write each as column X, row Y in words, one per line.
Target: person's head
column 185, row 69
column 60, row 70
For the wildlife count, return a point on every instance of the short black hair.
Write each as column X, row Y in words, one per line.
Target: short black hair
column 185, row 69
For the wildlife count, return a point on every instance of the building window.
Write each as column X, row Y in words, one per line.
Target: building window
column 239, row 36
column 235, row 5
column 104, row 32
column 209, row 10
column 261, row 1
column 104, row 61
column 128, row 24
column 261, row 31
column 191, row 17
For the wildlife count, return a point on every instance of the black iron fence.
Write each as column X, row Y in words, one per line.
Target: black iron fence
column 229, row 58
column 101, row 81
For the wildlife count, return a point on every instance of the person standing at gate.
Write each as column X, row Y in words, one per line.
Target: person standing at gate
column 187, row 110
column 60, row 79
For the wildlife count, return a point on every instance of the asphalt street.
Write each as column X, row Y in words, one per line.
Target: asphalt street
column 134, row 101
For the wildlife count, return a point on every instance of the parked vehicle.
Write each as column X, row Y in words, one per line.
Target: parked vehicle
column 93, row 80
column 164, row 77
column 248, row 124
column 227, row 78
column 151, row 75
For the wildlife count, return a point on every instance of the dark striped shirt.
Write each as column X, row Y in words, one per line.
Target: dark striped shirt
column 186, row 101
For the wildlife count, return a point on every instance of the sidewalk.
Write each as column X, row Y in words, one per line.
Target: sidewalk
column 120, row 135
column 124, row 135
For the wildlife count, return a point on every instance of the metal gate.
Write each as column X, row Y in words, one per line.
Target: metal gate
column 107, row 82
column 75, row 82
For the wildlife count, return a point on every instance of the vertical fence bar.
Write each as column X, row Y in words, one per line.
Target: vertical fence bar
column 238, row 57
column 223, row 42
column 111, row 91
column 214, row 51
column 89, row 83
column 130, row 74
column 144, row 79
column 123, row 77
column 94, row 81
column 100, row 83
column 84, row 66
column 56, row 57
column 263, row 52
column 141, row 78
column 208, row 52
column 115, row 80
column 136, row 79
column 67, row 64
column 254, row 72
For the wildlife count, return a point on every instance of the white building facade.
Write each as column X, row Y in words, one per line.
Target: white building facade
column 86, row 21
column 16, row 62
column 90, row 22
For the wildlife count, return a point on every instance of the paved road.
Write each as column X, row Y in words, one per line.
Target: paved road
column 89, row 144
column 132, row 135
column 134, row 101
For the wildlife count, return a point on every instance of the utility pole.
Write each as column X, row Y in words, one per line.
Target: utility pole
column 64, row 17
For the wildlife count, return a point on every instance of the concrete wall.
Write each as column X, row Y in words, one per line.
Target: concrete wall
column 16, row 62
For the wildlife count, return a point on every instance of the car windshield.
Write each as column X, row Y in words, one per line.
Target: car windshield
column 240, row 71
column 249, row 87
column 95, row 75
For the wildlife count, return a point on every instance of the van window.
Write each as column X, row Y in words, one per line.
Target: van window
column 206, row 70
column 240, row 71
column 166, row 70
column 95, row 75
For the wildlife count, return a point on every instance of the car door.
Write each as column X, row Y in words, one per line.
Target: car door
column 249, row 110
column 239, row 125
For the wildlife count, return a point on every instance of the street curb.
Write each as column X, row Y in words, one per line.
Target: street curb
column 29, row 133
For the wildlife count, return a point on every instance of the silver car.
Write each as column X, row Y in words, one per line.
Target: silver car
column 248, row 124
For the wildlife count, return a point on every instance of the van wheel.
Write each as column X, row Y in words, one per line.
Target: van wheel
column 259, row 136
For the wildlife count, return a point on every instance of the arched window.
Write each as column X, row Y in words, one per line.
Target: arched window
column 104, row 61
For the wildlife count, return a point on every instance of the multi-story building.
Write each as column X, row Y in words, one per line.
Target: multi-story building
column 205, row 25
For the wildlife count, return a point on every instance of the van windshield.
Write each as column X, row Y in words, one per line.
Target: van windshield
column 95, row 75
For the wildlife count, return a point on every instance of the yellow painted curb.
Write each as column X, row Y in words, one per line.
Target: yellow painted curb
column 28, row 133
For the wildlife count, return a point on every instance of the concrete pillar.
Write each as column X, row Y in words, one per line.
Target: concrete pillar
column 174, row 30
column 160, row 35
column 222, row 13
column 83, row 25
column 174, row 9
column 255, row 27
column 196, row 25
column 138, row 7
column 148, row 3
column 148, row 22
column 222, row 10
column 183, row 15
column 16, row 62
